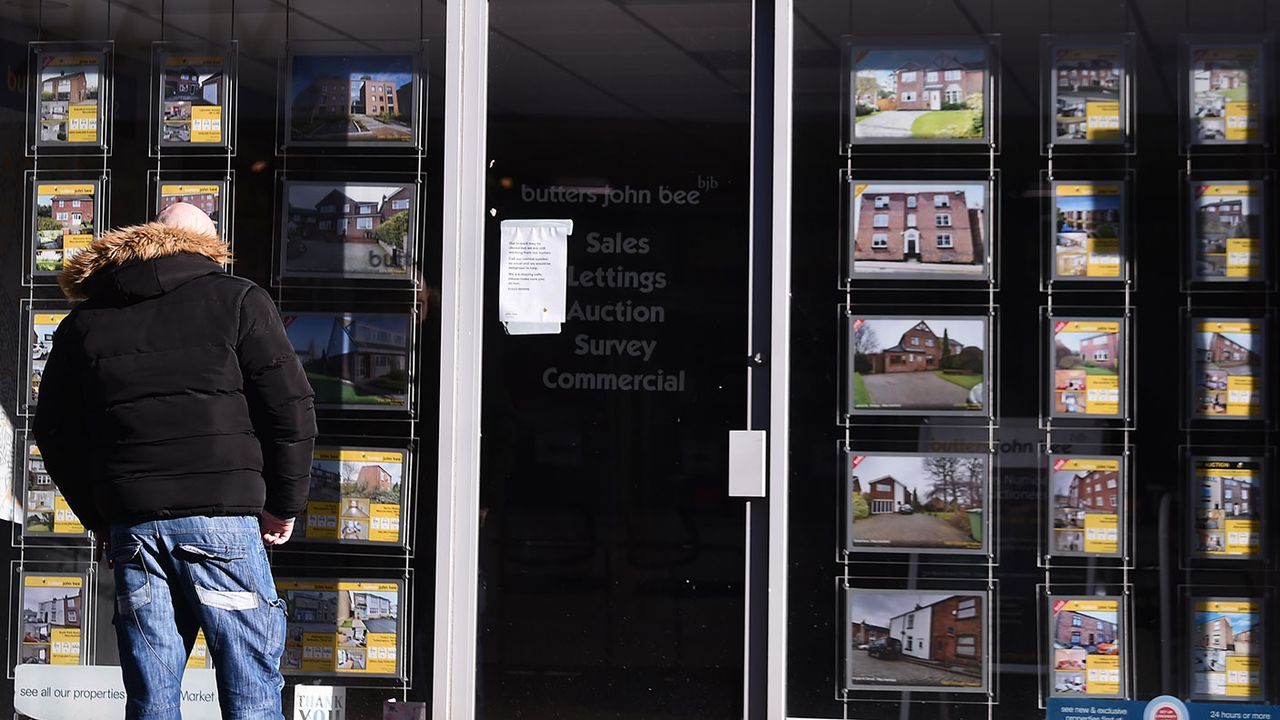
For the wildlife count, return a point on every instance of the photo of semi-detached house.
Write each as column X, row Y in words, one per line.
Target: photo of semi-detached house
column 1228, row 367
column 1087, row 84
column 919, row 228
column 65, row 222
column 936, row 364
column 1085, row 637
column 1228, row 230
column 1086, row 367
column 347, row 229
column 935, row 640
column 353, row 360
column 919, row 94
column 69, row 88
column 917, row 502
column 351, row 100
column 1226, row 93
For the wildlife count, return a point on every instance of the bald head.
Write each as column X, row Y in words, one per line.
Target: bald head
column 186, row 216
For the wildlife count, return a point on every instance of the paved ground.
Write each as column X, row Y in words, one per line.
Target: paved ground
column 918, row 529
column 381, row 625
column 868, row 670
column 913, row 266
column 892, row 124
column 337, row 257
column 380, row 130
column 922, row 390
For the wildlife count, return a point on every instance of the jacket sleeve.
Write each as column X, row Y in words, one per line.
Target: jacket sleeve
column 281, row 404
column 61, row 431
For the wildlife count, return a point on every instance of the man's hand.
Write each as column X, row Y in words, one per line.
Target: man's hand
column 274, row 530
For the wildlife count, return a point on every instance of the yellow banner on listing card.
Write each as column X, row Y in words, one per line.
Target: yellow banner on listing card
column 1241, row 119
column 1091, row 606
column 206, row 124
column 65, row 521
column 64, row 646
column 82, row 123
column 1244, row 674
column 369, row 586
column 76, row 241
column 72, row 60
column 198, row 61
column 1086, row 189
column 1102, row 395
column 1101, row 533
column 322, row 520
column 371, row 456
column 1104, row 258
column 200, row 658
column 1242, row 537
column 1243, row 327
column 1102, row 675
column 1102, row 120
column 1244, row 258
column 65, row 189
column 53, row 319
column 53, row 581
column 384, row 522
column 1228, row 606
column 1223, row 190
column 1090, row 326
column 190, row 190
column 1243, row 398
column 381, row 654
column 1089, row 464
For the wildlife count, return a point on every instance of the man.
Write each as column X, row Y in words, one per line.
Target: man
column 176, row 420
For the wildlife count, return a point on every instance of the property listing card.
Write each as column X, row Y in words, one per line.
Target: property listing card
column 1088, row 367
column 356, row 495
column 1088, row 84
column 1227, row 651
column 1085, row 639
column 341, row 627
column 53, row 619
column 47, row 513
column 1227, row 231
column 1227, row 364
column 1228, row 506
column 1087, row 230
column 1085, row 506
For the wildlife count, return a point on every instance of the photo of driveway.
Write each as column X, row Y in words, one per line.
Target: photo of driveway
column 895, row 124
column 918, row 530
column 864, row 668
column 924, row 391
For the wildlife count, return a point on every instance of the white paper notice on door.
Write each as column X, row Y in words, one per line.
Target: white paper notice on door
column 533, row 275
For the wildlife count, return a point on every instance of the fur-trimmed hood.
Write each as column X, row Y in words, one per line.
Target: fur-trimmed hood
column 119, row 251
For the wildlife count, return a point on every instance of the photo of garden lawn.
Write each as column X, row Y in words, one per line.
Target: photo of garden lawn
column 356, row 99
column 917, row 501
column 921, row 94
column 353, row 360
column 1086, row 367
column 934, row 364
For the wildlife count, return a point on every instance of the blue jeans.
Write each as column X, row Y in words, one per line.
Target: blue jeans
column 176, row 577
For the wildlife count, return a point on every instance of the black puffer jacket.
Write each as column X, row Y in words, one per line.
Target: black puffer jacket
column 172, row 390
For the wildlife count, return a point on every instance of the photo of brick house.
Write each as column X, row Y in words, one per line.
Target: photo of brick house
column 1228, row 507
column 1077, row 494
column 1221, row 82
column 1087, row 93
column 351, row 99
column 1226, row 634
column 187, row 83
column 935, row 363
column 941, row 637
column 1088, row 228
column 68, row 81
column 373, row 479
column 1085, row 647
column 935, row 94
column 1085, row 629
column 1087, row 360
column 932, row 229
column 1226, row 350
column 353, row 360
column 1223, row 212
column 910, row 503
column 347, row 229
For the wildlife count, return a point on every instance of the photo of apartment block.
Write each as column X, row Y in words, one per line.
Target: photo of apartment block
column 347, row 229
column 933, row 229
column 1225, row 94
column 919, row 94
column 910, row 503
column 351, row 100
column 353, row 360
column 1087, row 367
column 69, row 93
column 194, row 95
column 934, row 365
column 935, row 640
column 1227, row 649
column 1228, row 507
column 1228, row 368
column 1227, row 227
column 1087, row 94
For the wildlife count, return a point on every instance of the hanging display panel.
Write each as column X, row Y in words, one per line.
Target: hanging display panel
column 358, row 496
column 1227, row 661
column 1086, row 506
column 45, row 512
column 195, row 100
column 66, row 215
column 1228, row 231
column 352, row 100
column 41, row 324
column 1087, row 647
column 69, row 85
column 911, row 94
column 1227, row 363
column 915, row 365
column 1088, row 367
column 348, row 229
column 927, row 229
column 1227, row 503
column 916, row 502
column 343, row 627
column 1088, row 231
column 932, row 640
column 1088, row 98
column 1227, row 93
column 357, row 361
column 53, row 624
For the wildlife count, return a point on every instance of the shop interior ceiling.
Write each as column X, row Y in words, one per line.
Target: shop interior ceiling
column 686, row 60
